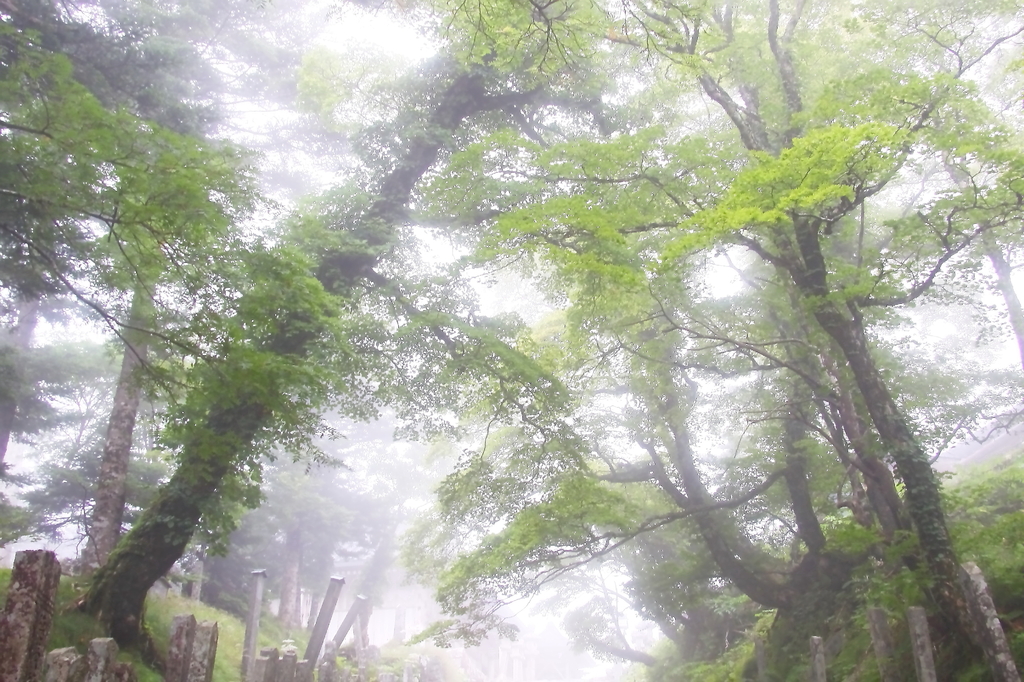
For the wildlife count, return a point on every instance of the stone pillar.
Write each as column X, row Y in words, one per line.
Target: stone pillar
column 204, row 652
column 100, row 660
column 323, row 619
column 350, row 618
column 179, row 649
column 817, row 660
column 327, row 671
column 304, row 671
column 921, row 640
column 986, row 624
column 28, row 615
column 252, row 623
column 286, row 667
column 264, row 668
column 64, row 665
column 881, row 642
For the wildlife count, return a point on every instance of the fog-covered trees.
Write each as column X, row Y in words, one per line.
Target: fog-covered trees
column 746, row 219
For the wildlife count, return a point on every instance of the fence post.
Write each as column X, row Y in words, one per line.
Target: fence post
column 204, row 652
column 252, row 623
column 924, row 662
column 323, row 619
column 986, row 624
column 881, row 642
column 28, row 615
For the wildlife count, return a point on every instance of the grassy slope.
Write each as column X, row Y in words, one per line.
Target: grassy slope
column 71, row 628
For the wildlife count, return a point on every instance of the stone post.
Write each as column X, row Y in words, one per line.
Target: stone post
column 304, row 671
column 252, row 624
column 204, row 652
column 817, row 660
column 179, row 649
column 64, row 665
column 264, row 667
column 881, row 642
column 28, row 615
column 323, row 619
column 350, row 618
column 986, row 624
column 286, row 667
column 100, row 660
column 921, row 640
column 759, row 658
column 327, row 671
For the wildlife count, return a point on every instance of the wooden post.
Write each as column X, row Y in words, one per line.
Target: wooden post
column 881, row 642
column 28, row 615
column 924, row 662
column 252, row 623
column 817, row 660
column 350, row 618
column 986, row 624
column 323, row 619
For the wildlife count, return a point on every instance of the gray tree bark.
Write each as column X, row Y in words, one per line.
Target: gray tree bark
column 108, row 512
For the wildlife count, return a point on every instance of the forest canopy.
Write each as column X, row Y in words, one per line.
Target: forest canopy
column 686, row 299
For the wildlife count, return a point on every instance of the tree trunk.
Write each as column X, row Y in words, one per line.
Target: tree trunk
column 1004, row 283
column 108, row 513
column 288, row 612
column 118, row 591
column 16, row 341
column 924, row 502
column 807, row 524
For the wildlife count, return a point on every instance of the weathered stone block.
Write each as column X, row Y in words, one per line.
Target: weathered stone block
column 64, row 665
column 179, row 649
column 28, row 615
column 204, row 652
column 100, row 660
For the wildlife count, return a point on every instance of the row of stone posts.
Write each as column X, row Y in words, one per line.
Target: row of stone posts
column 987, row 629
column 272, row 666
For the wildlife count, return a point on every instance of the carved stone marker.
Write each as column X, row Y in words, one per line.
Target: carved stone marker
column 100, row 660
column 924, row 663
column 264, row 668
column 28, row 614
column 327, row 671
column 179, row 650
column 986, row 624
column 204, row 652
column 881, row 642
column 64, row 665
column 252, row 624
column 817, row 660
